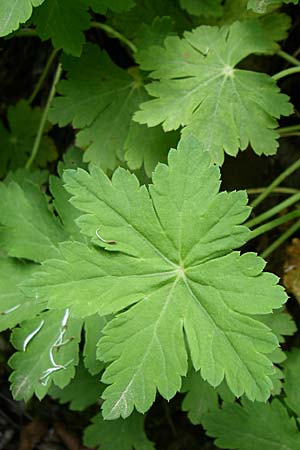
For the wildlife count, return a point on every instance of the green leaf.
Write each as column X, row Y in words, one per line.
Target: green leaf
column 14, row 12
column 29, row 229
column 17, row 142
column 99, row 98
column 93, row 327
column 148, row 146
column 101, row 6
column 47, row 351
column 15, row 307
column 180, row 276
column 291, row 383
column 206, row 8
column 261, row 6
column 201, row 397
column 200, row 89
column 120, row 434
column 64, row 22
column 82, row 391
column 253, row 425
column 22, row 176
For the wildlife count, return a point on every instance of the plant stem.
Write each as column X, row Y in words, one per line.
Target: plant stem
column 115, row 34
column 271, row 248
column 285, row 73
column 271, row 212
column 292, row 168
column 43, row 76
column 274, row 223
column 282, row 190
column 286, row 130
column 291, row 59
column 39, row 135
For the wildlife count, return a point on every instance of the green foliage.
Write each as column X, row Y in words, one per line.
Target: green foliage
column 123, row 271
column 181, row 272
column 12, row 13
column 17, row 141
column 253, row 425
column 200, row 88
column 121, row 434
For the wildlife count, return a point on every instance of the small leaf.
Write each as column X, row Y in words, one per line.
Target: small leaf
column 12, row 13
column 261, row 6
column 120, row 434
column 291, row 384
column 205, row 8
column 253, row 425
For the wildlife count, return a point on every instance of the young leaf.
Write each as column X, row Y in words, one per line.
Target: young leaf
column 120, row 434
column 83, row 390
column 206, row 8
column 15, row 307
column 253, row 425
column 47, row 351
column 17, row 142
column 261, row 6
column 200, row 88
column 180, row 276
column 12, row 13
column 64, row 22
column 99, row 98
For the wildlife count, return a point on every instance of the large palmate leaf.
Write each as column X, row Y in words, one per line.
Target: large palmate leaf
column 167, row 254
column 200, row 88
column 253, row 426
column 121, row 434
column 47, row 351
column 261, row 6
column 64, row 22
column 14, row 12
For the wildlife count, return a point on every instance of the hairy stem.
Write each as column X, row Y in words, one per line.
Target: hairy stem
column 283, row 131
column 43, row 76
column 39, row 135
column 273, row 224
column 271, row 248
column 114, row 34
column 280, row 190
column 271, row 212
column 285, row 73
column 292, row 168
column 291, row 59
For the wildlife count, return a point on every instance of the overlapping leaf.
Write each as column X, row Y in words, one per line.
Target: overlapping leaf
column 206, row 8
column 121, row 434
column 14, row 12
column 17, row 142
column 168, row 255
column 200, row 88
column 64, row 22
column 291, row 384
column 261, row 6
column 253, row 425
column 99, row 98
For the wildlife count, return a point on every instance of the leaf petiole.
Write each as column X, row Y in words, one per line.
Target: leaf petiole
column 285, row 73
column 43, row 76
column 273, row 224
column 291, row 59
column 271, row 248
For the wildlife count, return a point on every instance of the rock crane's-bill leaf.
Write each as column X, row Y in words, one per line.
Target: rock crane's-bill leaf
column 64, row 22
column 261, row 6
column 99, row 98
column 205, row 8
column 120, row 434
column 167, row 252
column 253, row 426
column 199, row 88
column 47, row 351
column 101, row 6
column 14, row 12
column 15, row 307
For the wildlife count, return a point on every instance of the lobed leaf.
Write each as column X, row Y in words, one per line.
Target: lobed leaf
column 14, row 12
column 177, row 285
